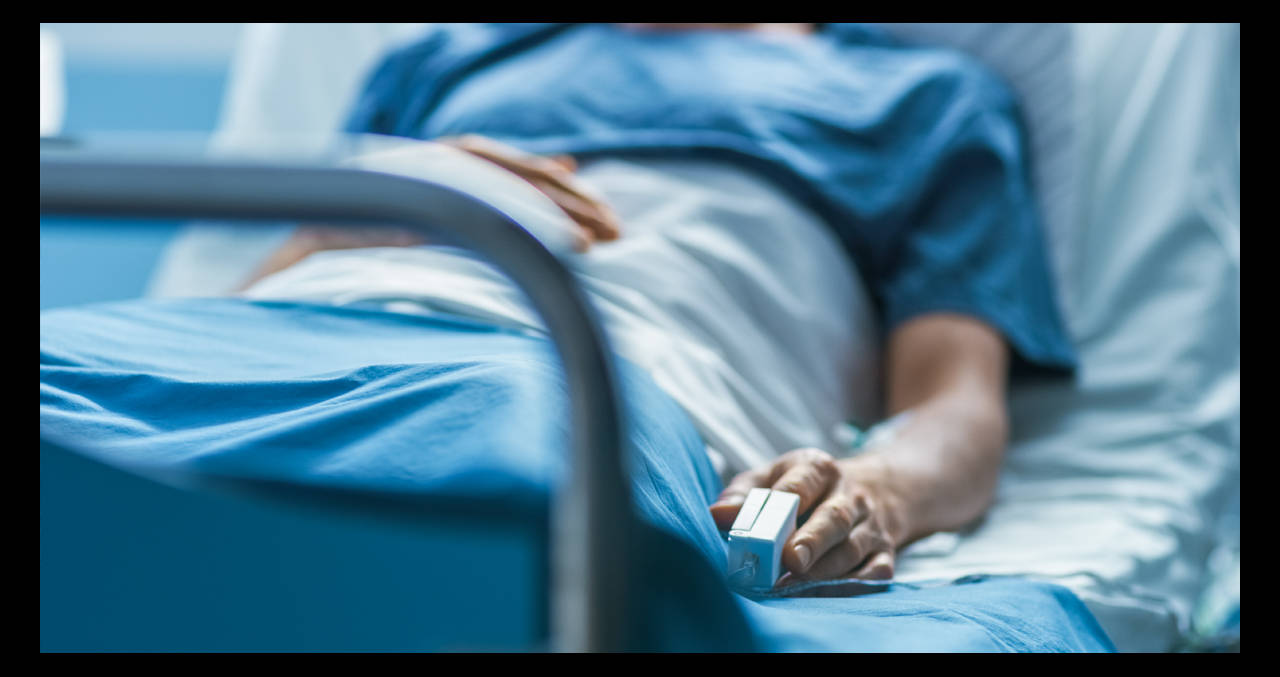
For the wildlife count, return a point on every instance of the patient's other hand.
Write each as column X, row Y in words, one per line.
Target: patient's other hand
column 554, row 177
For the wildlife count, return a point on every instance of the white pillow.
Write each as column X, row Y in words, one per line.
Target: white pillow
column 1036, row 60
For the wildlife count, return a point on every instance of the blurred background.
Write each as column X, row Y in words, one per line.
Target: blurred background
column 124, row 77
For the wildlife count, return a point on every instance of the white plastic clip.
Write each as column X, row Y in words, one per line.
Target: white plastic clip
column 764, row 523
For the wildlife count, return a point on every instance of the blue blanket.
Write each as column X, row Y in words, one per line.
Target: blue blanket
column 442, row 408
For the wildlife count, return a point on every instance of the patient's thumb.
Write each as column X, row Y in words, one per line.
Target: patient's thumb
column 725, row 510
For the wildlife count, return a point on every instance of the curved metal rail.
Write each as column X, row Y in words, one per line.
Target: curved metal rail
column 592, row 510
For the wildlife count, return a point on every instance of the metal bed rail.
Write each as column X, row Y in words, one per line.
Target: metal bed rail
column 592, row 511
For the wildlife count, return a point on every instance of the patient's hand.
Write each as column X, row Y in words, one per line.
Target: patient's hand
column 855, row 526
column 553, row 176
column 937, row 473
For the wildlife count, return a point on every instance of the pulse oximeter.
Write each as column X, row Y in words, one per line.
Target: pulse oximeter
column 764, row 523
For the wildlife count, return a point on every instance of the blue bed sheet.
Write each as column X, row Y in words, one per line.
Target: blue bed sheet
column 450, row 410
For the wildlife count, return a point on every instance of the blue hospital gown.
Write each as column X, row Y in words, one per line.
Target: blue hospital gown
column 915, row 157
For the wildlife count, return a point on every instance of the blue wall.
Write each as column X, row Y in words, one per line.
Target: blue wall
column 80, row 261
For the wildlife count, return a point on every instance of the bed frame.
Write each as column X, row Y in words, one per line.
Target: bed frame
column 591, row 516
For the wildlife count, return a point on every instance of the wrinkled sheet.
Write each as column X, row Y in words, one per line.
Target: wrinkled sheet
column 355, row 398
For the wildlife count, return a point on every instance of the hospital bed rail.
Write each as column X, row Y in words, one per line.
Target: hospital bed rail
column 592, row 511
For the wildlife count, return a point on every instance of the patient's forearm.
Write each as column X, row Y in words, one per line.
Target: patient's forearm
column 937, row 473
column 942, row 464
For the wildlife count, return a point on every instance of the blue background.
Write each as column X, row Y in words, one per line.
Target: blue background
column 81, row 262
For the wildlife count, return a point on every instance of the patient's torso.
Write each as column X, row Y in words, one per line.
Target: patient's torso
column 741, row 304
column 773, row 338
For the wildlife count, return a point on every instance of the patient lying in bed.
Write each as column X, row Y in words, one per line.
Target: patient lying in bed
column 769, row 313
column 1108, row 484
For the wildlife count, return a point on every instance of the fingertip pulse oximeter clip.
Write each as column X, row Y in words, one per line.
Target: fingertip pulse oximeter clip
column 764, row 523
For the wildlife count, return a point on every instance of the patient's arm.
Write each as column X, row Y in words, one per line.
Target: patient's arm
column 937, row 473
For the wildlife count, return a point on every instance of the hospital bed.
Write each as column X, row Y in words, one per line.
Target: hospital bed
column 1152, row 422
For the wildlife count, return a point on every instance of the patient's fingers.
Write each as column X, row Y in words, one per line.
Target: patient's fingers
column 554, row 177
column 809, row 473
column 598, row 223
column 515, row 160
column 879, row 567
column 726, row 507
column 574, row 198
column 827, row 534
column 864, row 552
column 834, row 563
